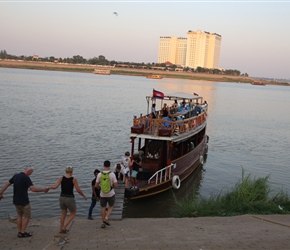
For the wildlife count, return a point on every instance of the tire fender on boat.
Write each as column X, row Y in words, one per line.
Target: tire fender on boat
column 201, row 160
column 176, row 182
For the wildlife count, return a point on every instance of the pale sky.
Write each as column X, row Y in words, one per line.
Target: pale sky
column 255, row 34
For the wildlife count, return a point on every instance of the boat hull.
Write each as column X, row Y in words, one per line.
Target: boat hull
column 184, row 167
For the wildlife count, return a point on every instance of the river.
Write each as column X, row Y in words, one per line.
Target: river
column 52, row 119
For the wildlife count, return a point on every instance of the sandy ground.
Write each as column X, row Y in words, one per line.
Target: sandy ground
column 238, row 232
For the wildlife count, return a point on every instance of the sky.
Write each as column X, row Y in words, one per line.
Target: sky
column 255, row 34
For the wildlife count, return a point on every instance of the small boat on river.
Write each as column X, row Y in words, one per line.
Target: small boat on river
column 154, row 76
column 102, row 71
column 172, row 147
column 260, row 82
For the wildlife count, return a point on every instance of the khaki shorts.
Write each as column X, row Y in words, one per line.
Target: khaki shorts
column 67, row 203
column 23, row 211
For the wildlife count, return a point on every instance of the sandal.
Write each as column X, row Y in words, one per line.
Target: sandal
column 103, row 226
column 107, row 222
column 63, row 231
column 24, row 235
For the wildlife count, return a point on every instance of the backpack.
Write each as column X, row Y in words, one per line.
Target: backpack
column 105, row 182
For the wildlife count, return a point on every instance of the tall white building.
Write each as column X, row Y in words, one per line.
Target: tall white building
column 199, row 49
column 172, row 49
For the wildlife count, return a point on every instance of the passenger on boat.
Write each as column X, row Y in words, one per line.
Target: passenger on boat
column 135, row 169
column 118, row 170
column 165, row 110
column 126, row 162
column 175, row 104
column 153, row 111
column 183, row 103
column 166, row 124
column 197, row 109
column 191, row 104
column 203, row 106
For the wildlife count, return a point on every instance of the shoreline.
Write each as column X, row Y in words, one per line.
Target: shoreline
column 129, row 71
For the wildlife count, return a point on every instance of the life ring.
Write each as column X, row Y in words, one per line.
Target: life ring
column 176, row 182
column 201, row 160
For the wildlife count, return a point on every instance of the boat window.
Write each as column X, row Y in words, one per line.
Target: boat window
column 153, row 149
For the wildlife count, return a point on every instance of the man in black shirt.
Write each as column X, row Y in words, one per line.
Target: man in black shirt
column 21, row 182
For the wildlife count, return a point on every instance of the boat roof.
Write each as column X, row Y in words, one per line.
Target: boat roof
column 178, row 98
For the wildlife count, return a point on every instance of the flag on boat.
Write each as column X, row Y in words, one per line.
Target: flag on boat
column 157, row 94
column 195, row 94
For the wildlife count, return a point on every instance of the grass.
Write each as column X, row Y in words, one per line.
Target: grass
column 249, row 196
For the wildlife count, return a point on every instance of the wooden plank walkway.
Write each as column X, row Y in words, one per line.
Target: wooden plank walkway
column 117, row 213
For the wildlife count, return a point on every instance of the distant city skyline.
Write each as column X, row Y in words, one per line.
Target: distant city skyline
column 198, row 49
column 255, row 33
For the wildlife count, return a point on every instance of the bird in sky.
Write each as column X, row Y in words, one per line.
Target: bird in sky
column 115, row 13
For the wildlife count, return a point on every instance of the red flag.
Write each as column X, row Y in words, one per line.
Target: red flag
column 195, row 94
column 157, row 94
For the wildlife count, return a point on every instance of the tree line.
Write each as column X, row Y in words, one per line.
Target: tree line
column 101, row 60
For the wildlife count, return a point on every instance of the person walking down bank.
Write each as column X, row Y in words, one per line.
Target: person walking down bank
column 66, row 199
column 107, row 181
column 95, row 194
column 21, row 182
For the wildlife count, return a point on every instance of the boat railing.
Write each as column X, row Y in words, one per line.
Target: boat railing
column 161, row 127
column 161, row 175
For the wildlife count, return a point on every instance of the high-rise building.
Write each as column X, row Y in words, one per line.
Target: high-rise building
column 199, row 49
column 172, row 49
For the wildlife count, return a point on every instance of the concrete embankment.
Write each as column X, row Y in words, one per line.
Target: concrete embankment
column 237, row 232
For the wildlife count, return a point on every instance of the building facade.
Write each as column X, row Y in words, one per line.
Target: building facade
column 199, row 49
column 172, row 49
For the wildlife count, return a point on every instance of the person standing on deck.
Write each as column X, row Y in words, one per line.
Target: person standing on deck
column 135, row 169
column 153, row 111
column 126, row 162
column 165, row 110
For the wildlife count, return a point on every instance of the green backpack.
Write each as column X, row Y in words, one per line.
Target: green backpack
column 105, row 182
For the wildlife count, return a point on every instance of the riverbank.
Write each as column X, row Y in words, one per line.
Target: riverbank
column 126, row 71
column 237, row 232
column 131, row 71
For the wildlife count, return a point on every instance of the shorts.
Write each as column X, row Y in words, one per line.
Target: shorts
column 126, row 172
column 23, row 211
column 67, row 203
column 134, row 173
column 109, row 200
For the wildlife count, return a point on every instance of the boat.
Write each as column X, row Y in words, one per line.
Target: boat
column 102, row 71
column 154, row 76
column 260, row 82
column 170, row 150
